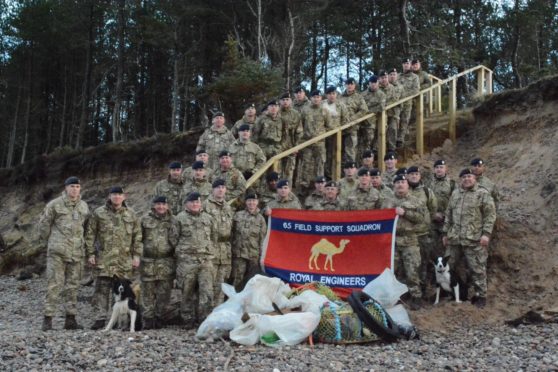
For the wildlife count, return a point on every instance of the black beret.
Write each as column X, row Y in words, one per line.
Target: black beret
column 201, row 151
column 218, row 113
column 399, row 177
column 373, row 79
column 368, row 154
column 315, row 93
column 249, row 105
column 251, row 195
column 159, row 199
column 375, row 172
column 282, row 183
column 272, row 102
column 391, row 70
column 244, row 127
column 224, row 153
column 415, row 61
column 382, row 73
column 299, row 89
column 71, row 181
column 477, row 161
column 286, row 95
column 465, row 172
column 413, row 169
column 349, row 164
column 273, row 176
column 363, row 172
column 175, row 165
column 320, row 179
column 331, row 89
column 406, row 60
column 116, row 190
column 193, row 196
column 390, row 155
column 198, row 165
column 218, row 182
column 350, row 81
column 439, row 162
column 401, row 171
column 331, row 184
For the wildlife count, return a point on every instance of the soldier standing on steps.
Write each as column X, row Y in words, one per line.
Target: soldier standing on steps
column 392, row 95
column 171, row 187
column 390, row 160
column 356, row 108
column 249, row 119
column 215, row 138
column 376, row 102
column 61, row 230
column 411, row 86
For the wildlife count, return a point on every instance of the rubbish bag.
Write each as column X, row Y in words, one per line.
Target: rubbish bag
column 385, row 289
column 224, row 317
column 261, row 292
column 400, row 316
column 309, row 301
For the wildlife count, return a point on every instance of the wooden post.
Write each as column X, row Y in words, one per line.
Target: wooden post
column 439, row 97
column 420, row 125
column 430, row 103
column 337, row 159
column 480, row 81
column 489, row 83
column 382, row 141
column 452, row 110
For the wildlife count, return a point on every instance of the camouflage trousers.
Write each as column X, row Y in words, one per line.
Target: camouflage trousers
column 426, row 271
column 195, row 273
column 368, row 136
column 392, row 125
column 62, row 277
column 469, row 263
column 102, row 297
column 221, row 274
column 312, row 164
column 242, row 268
column 155, row 298
column 270, row 150
column 407, row 264
column 350, row 140
column 289, row 164
column 406, row 109
column 438, row 249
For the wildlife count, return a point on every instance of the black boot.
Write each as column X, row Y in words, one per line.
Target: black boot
column 148, row 323
column 480, row 302
column 70, row 322
column 98, row 324
column 158, row 323
column 47, row 323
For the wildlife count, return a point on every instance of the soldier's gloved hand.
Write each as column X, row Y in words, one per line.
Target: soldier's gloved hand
column 135, row 262
column 91, row 260
column 399, row 211
column 484, row 240
column 267, row 211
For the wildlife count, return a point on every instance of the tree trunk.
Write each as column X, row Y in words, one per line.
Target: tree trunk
column 13, row 131
column 86, row 87
column 404, row 27
column 175, row 86
column 27, row 116
column 117, row 134
column 291, row 47
column 64, row 108
column 515, row 45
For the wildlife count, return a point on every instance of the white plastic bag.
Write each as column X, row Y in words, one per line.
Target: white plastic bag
column 260, row 292
column 224, row 317
column 386, row 289
column 399, row 315
column 309, row 300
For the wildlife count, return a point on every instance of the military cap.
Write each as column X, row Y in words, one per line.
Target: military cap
column 477, row 161
column 390, row 155
column 331, row 89
column 175, row 165
column 71, row 181
column 198, row 165
column 272, row 103
column 331, row 184
column 465, row 172
column 350, row 81
column 282, row 183
column 286, row 95
column 393, row 69
column 439, row 162
column 193, row 196
column 401, row 171
column 251, row 195
column 368, row 154
column 413, row 169
column 383, row 73
column 116, row 190
column 159, row 199
column 218, row 182
column 249, row 105
column 406, row 60
column 315, row 93
column 375, row 172
column 244, row 127
column 349, row 164
column 320, row 179
column 415, row 61
column 373, row 79
column 224, row 153
column 363, row 172
column 273, row 176
column 201, row 151
column 399, row 177
column 299, row 89
column 218, row 113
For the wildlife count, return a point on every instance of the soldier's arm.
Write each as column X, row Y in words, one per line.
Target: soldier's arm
column 298, row 131
column 327, row 120
column 90, row 235
column 416, row 85
column 256, row 130
column 45, row 224
column 344, row 114
column 448, row 220
column 414, row 215
column 137, row 244
column 488, row 215
column 362, row 108
column 174, row 232
column 432, row 204
column 260, row 159
column 201, row 142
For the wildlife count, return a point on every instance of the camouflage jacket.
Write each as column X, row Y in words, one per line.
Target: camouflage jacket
column 410, row 83
column 386, row 196
column 470, row 214
column 173, row 191
column 291, row 202
column 160, row 236
column 424, row 79
column 387, row 177
column 428, row 198
column 356, row 107
column 398, row 89
column 214, row 140
column 247, row 156
column 61, row 228
column 363, row 199
column 268, row 131
column 375, row 100
column 194, row 235
column 244, row 120
column 315, row 121
column 222, row 218
column 118, row 233
column 442, row 188
column 485, row 183
column 347, row 186
column 312, row 200
column 188, row 175
column 203, row 187
column 392, row 95
column 409, row 223
column 338, row 113
column 292, row 125
column 249, row 230
column 234, row 180
column 300, row 105
column 336, row 205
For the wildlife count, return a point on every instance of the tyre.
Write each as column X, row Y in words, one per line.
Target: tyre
column 380, row 322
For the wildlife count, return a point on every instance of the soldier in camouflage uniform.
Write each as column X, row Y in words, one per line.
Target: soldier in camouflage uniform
column 365, row 197
column 407, row 252
column 249, row 230
column 117, row 230
column 392, row 95
column 356, row 107
column 234, row 180
column 443, row 187
column 393, row 79
column 292, row 124
column 160, row 236
column 194, row 255
column 248, row 157
column 198, row 181
column 470, row 218
column 478, row 168
column 301, row 101
column 172, row 187
column 215, row 138
column 411, row 86
column 222, row 217
column 315, row 121
column 367, row 159
column 188, row 173
column 390, row 160
column 331, row 200
column 424, row 78
column 268, row 189
column 386, row 194
column 284, row 199
column 249, row 119
column 376, row 102
column 268, row 131
column 317, row 195
column 349, row 182
column 339, row 117
column 61, row 231
column 428, row 198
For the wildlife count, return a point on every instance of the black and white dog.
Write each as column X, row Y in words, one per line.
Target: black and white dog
column 448, row 280
column 125, row 308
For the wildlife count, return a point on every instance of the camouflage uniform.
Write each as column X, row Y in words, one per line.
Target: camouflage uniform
column 201, row 186
column 214, row 140
column 118, row 234
column 387, row 177
column 386, row 196
column 442, row 188
column 407, row 252
column 313, row 200
column 61, row 231
column 291, row 202
column 336, row 205
column 470, row 214
column 249, row 230
column 222, row 217
column 392, row 95
column 160, row 236
column 300, row 105
column 356, row 108
column 244, row 120
column 173, row 191
column 363, row 199
column 424, row 79
column 339, row 117
column 247, row 156
column 315, row 121
column 376, row 102
column 188, row 174
column 347, row 186
column 293, row 134
column 485, row 183
column 194, row 264
column 411, row 85
column 234, row 180
column 268, row 134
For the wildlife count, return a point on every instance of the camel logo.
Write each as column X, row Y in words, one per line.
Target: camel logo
column 327, row 248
